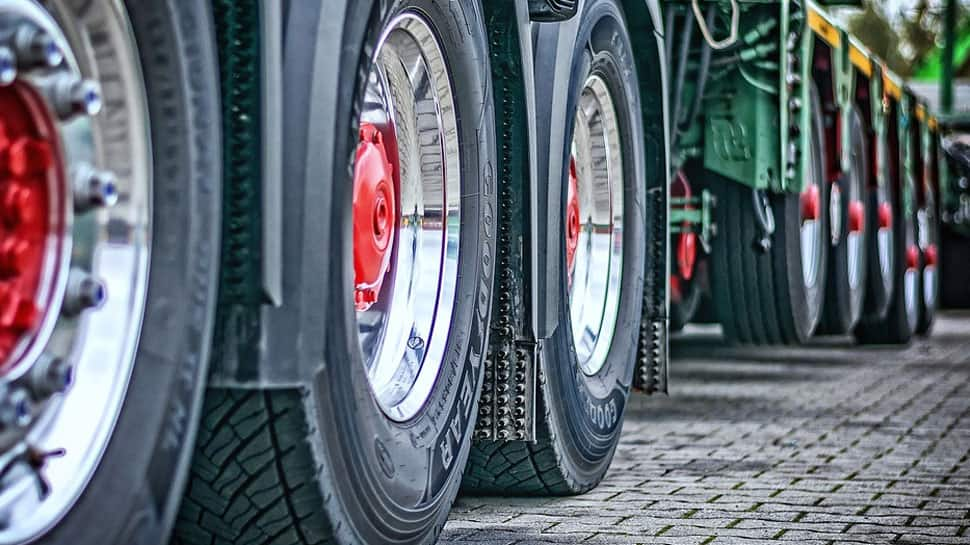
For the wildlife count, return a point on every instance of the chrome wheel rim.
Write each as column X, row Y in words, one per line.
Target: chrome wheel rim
column 595, row 269
column 911, row 276
column 404, row 324
column 77, row 365
column 926, row 222
column 857, row 220
column 811, row 222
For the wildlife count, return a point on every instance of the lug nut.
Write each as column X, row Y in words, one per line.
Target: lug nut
column 70, row 96
column 8, row 66
column 94, row 188
column 16, row 408
column 50, row 375
column 83, row 292
column 35, row 48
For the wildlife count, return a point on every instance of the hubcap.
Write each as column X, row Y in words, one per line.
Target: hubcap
column 686, row 240
column 74, row 238
column 911, row 276
column 811, row 230
column 928, row 236
column 596, row 269
column 406, row 216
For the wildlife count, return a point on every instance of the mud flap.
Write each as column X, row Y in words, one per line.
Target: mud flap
column 652, row 355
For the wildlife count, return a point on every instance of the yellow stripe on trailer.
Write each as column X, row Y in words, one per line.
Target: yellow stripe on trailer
column 934, row 124
column 921, row 113
column 892, row 87
column 860, row 59
column 825, row 30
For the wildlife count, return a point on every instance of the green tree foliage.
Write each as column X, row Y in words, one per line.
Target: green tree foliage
column 909, row 37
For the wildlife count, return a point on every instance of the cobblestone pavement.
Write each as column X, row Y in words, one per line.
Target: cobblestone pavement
column 824, row 445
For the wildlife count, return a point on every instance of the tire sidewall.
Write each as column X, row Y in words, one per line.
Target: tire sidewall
column 405, row 496
column 134, row 493
column 587, row 410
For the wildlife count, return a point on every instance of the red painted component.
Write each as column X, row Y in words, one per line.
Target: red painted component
column 912, row 257
column 811, row 203
column 857, row 216
column 686, row 245
column 29, row 168
column 573, row 222
column 676, row 292
column 375, row 216
column 885, row 215
column 931, row 256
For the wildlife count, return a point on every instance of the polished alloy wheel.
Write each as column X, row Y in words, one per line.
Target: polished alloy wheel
column 911, row 276
column 812, row 238
column 594, row 226
column 75, row 234
column 406, row 216
column 927, row 224
column 856, row 216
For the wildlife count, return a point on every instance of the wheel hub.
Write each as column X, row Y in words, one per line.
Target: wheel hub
column 811, row 203
column 65, row 225
column 686, row 244
column 31, row 174
column 857, row 216
column 375, row 214
column 573, row 211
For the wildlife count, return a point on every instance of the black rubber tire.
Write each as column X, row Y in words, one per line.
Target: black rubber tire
column 759, row 295
column 929, row 298
column 133, row 495
column 954, row 264
column 321, row 462
column 899, row 324
column 579, row 417
column 843, row 302
column 879, row 284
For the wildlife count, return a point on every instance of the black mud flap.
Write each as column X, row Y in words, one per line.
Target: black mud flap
column 652, row 354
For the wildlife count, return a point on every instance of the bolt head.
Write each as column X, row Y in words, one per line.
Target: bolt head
column 8, row 66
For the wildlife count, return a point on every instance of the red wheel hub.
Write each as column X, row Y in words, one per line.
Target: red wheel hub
column 931, row 255
column 687, row 239
column 885, row 215
column 912, row 257
column 375, row 216
column 857, row 216
column 811, row 203
column 30, row 169
column 572, row 216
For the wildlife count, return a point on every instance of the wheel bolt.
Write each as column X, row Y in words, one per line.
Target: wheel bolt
column 16, row 408
column 83, row 292
column 35, row 48
column 50, row 375
column 8, row 66
column 94, row 188
column 70, row 96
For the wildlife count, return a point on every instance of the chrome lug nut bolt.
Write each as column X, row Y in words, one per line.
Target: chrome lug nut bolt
column 70, row 96
column 93, row 188
column 83, row 292
column 8, row 66
column 16, row 408
column 35, row 48
column 50, row 375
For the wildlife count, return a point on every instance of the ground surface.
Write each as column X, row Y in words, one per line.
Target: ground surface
column 829, row 444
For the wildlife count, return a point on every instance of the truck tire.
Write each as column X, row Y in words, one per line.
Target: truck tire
column 118, row 376
column 901, row 320
column 370, row 448
column 954, row 264
column 770, row 289
column 585, row 379
column 848, row 264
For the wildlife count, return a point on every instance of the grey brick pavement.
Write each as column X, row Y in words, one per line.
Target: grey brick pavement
column 824, row 445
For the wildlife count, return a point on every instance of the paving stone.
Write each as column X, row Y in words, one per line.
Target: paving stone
column 824, row 445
